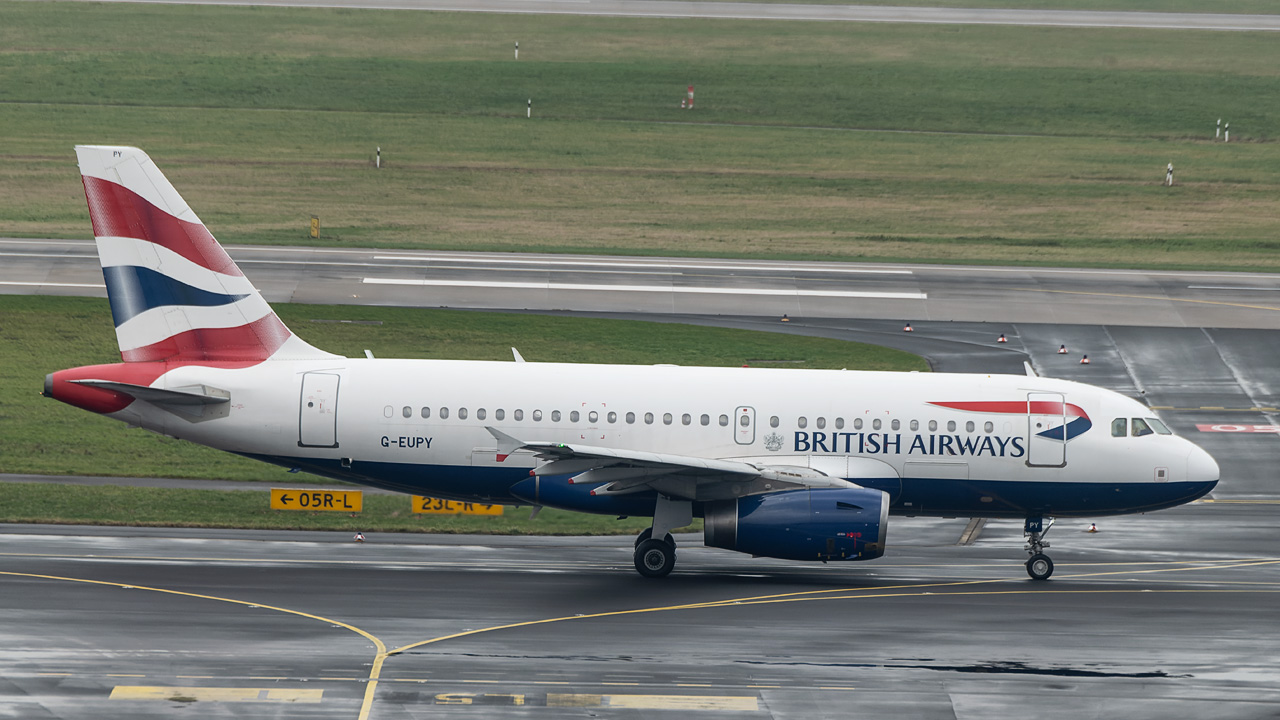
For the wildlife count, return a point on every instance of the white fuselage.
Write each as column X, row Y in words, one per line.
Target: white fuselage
column 420, row 426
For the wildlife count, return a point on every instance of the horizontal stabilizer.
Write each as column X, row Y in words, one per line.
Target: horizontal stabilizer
column 193, row 402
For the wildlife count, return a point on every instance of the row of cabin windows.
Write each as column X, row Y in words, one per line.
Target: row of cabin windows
column 593, row 416
column 611, row 417
column 1137, row 427
column 878, row 424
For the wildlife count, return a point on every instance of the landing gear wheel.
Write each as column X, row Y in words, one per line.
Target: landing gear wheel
column 1039, row 567
column 654, row 558
column 648, row 533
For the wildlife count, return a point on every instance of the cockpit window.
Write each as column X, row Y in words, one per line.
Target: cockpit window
column 1159, row 426
column 1140, row 428
column 1119, row 427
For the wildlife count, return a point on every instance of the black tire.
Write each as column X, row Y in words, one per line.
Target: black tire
column 1039, row 567
column 648, row 533
column 654, row 558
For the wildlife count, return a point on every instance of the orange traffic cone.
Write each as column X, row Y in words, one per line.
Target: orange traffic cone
column 1062, row 349
column 1084, row 360
column 1093, row 528
column 359, row 536
column 1002, row 340
column 785, row 318
column 907, row 328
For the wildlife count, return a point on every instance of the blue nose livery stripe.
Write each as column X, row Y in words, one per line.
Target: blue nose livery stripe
column 134, row 290
column 1073, row 429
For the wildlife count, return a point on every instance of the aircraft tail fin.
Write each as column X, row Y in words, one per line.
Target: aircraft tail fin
column 175, row 293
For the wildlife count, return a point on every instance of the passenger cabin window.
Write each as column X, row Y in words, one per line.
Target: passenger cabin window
column 1159, row 427
column 915, row 425
column 612, row 417
column 407, row 411
column 896, row 424
column 555, row 416
column 1140, row 428
column 705, row 419
column 875, row 424
column 686, row 419
column 724, row 421
column 648, row 418
column 426, row 413
column 839, row 423
column 951, row 426
column 499, row 414
column 802, row 422
column 933, row 426
column 593, row 417
column 988, row 426
column 744, row 421
column 968, row 427
column 517, row 415
column 857, row 423
column 1119, row 427
column 631, row 418
column 537, row 416
column 666, row 418
column 480, row 413
column 573, row 416
column 462, row 413
column 444, row 413
column 388, row 411
column 773, row 421
column 820, row 423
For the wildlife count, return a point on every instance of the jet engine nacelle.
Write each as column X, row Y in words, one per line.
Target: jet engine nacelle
column 817, row 524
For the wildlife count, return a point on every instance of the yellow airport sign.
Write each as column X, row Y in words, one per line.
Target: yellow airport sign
column 313, row 500
column 435, row 506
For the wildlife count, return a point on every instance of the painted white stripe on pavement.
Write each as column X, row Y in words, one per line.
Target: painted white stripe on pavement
column 627, row 264
column 649, row 288
column 52, row 284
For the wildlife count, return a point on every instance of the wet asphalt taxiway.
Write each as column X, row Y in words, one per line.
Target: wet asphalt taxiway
column 1173, row 614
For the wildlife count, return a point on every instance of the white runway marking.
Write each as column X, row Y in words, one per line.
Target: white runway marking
column 648, row 288
column 53, row 284
column 1231, row 287
column 629, row 264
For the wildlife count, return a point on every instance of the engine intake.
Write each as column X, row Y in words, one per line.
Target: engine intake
column 816, row 524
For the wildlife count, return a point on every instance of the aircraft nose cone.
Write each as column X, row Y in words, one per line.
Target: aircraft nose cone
column 1201, row 467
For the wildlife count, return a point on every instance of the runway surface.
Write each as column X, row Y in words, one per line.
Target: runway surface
column 1172, row 614
column 787, row 11
column 695, row 286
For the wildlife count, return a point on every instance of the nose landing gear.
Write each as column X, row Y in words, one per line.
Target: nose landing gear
column 1039, row 567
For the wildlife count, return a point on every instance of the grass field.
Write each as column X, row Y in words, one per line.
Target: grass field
column 1028, row 145
column 165, row 507
column 42, row 436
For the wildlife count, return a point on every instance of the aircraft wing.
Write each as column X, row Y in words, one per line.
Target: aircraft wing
column 617, row 471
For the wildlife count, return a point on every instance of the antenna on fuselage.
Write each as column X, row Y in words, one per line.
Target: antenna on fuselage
column 1030, row 371
column 518, row 356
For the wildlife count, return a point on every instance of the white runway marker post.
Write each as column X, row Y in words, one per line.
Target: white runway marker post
column 1217, row 133
column 1226, row 133
column 517, row 49
column 377, row 158
column 1168, row 176
column 528, row 111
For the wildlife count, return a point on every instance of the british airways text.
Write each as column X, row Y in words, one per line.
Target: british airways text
column 873, row 443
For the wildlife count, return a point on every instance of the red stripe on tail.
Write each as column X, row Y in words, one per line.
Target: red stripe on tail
column 117, row 211
column 247, row 344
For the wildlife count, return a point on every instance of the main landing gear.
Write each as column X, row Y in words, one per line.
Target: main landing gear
column 655, row 558
column 1039, row 567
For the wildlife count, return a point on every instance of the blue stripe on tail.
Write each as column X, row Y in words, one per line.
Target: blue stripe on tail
column 134, row 290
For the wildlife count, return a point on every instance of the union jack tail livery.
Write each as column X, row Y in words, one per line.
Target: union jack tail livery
column 176, row 296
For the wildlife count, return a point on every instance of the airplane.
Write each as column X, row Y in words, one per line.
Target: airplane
column 783, row 463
